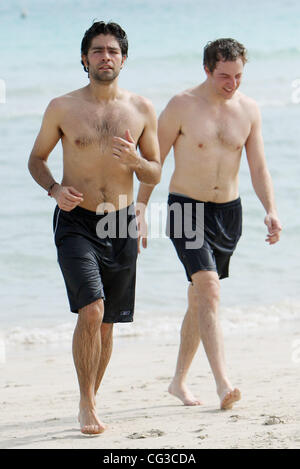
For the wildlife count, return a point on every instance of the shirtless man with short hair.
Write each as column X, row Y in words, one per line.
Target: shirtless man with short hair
column 208, row 126
column 100, row 127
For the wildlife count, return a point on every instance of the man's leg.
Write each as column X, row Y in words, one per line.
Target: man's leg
column 207, row 287
column 190, row 339
column 106, row 349
column 202, row 321
column 86, row 354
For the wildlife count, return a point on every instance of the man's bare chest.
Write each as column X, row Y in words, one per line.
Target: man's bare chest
column 227, row 130
column 96, row 130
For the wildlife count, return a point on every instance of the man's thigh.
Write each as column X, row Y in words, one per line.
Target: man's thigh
column 81, row 272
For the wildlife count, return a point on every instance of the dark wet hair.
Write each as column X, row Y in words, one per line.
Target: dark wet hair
column 99, row 27
column 223, row 49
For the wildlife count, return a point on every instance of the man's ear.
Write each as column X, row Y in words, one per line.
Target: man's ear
column 84, row 60
column 124, row 58
column 206, row 70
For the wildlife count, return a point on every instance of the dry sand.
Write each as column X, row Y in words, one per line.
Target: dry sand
column 39, row 396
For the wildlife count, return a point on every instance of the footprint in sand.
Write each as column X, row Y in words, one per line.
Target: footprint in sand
column 199, row 430
column 234, row 418
column 149, row 434
column 273, row 420
column 202, row 437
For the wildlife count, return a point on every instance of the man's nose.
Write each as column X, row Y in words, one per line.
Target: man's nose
column 105, row 55
column 232, row 82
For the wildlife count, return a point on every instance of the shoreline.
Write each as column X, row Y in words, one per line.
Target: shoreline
column 234, row 320
column 39, row 396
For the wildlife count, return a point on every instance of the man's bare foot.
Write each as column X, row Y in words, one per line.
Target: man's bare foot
column 89, row 422
column 183, row 393
column 229, row 397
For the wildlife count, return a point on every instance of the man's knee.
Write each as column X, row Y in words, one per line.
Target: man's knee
column 106, row 329
column 206, row 286
column 92, row 314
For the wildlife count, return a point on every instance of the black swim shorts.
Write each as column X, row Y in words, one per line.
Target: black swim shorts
column 219, row 230
column 97, row 256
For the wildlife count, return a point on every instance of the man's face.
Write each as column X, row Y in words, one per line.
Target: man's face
column 226, row 77
column 104, row 59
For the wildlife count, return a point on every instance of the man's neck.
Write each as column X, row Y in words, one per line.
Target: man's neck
column 104, row 91
column 211, row 96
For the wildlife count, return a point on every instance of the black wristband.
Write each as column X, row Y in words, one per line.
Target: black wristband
column 50, row 188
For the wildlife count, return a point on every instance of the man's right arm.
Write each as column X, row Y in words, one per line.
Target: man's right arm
column 260, row 175
column 49, row 134
column 168, row 131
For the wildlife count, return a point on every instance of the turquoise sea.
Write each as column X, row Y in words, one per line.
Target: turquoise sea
column 40, row 59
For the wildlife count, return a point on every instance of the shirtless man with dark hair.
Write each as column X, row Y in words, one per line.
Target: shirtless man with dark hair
column 100, row 127
column 208, row 126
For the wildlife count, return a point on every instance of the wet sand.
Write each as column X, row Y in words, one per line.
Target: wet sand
column 39, row 396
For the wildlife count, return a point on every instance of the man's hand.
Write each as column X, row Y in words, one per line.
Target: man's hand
column 274, row 228
column 66, row 197
column 125, row 150
column 142, row 229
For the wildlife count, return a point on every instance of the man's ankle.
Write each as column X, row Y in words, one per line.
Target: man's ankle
column 86, row 404
column 178, row 381
column 224, row 384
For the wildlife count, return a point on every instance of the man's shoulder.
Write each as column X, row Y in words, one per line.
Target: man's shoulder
column 62, row 102
column 185, row 95
column 141, row 103
column 250, row 108
column 247, row 103
column 181, row 100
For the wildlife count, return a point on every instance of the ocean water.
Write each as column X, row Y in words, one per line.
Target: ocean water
column 41, row 59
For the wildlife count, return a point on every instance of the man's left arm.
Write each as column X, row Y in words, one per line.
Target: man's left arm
column 261, row 178
column 146, row 166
